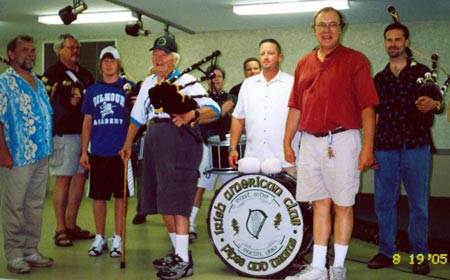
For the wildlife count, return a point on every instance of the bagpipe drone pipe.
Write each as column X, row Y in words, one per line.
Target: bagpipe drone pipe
column 5, row 61
column 131, row 92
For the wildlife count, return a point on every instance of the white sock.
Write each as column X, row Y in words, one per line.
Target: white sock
column 193, row 215
column 340, row 251
column 173, row 239
column 181, row 248
column 319, row 256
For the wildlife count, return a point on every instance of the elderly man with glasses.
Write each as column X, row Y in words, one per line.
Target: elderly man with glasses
column 66, row 80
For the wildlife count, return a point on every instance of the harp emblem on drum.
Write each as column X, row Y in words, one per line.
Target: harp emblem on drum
column 255, row 222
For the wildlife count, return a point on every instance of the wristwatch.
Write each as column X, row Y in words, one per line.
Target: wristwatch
column 438, row 106
column 197, row 115
column 232, row 148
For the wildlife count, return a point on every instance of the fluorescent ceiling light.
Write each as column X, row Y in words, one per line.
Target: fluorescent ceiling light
column 288, row 7
column 91, row 18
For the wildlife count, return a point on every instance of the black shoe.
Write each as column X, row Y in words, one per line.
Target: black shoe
column 192, row 236
column 139, row 219
column 79, row 234
column 379, row 261
column 422, row 268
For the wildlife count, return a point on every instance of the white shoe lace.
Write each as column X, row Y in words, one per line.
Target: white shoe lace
column 116, row 242
column 98, row 242
column 309, row 273
column 337, row 273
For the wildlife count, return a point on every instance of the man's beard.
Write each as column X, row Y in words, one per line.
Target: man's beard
column 28, row 66
column 75, row 59
column 395, row 53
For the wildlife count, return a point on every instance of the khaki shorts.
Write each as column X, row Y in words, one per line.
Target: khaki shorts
column 320, row 177
column 65, row 160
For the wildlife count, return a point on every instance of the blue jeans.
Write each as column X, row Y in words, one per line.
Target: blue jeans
column 412, row 167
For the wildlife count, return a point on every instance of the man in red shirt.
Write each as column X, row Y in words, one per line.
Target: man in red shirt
column 333, row 96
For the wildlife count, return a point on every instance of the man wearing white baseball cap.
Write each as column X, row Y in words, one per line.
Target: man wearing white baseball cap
column 105, row 124
column 110, row 50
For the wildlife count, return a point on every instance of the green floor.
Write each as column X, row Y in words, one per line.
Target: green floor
column 148, row 241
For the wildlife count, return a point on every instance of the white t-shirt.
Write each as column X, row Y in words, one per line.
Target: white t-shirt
column 263, row 105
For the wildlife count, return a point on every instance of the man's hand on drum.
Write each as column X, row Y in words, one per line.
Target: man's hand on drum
column 289, row 154
column 233, row 157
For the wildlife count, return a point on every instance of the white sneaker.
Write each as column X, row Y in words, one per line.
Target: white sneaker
column 38, row 260
column 164, row 262
column 116, row 246
column 338, row 273
column 309, row 273
column 18, row 265
column 178, row 269
column 98, row 246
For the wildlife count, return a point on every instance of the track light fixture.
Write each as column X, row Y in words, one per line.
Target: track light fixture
column 69, row 13
column 136, row 28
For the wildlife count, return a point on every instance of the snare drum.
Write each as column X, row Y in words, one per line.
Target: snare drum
column 256, row 226
column 218, row 153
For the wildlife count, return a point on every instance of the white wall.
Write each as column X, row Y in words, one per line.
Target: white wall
column 426, row 37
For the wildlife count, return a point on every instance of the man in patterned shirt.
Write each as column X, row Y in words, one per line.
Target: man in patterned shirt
column 25, row 146
column 402, row 149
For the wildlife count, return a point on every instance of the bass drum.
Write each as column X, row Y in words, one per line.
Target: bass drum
column 257, row 227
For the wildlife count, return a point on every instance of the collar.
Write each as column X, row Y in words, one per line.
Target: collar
column 340, row 48
column 120, row 82
column 63, row 66
column 175, row 73
column 10, row 70
column 407, row 68
column 280, row 76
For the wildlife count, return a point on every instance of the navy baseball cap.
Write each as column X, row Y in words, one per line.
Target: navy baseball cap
column 165, row 43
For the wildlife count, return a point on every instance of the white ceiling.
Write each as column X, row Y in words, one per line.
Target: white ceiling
column 20, row 16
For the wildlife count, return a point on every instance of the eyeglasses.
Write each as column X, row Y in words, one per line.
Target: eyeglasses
column 72, row 48
column 331, row 25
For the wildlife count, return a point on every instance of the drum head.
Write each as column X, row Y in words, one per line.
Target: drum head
column 255, row 225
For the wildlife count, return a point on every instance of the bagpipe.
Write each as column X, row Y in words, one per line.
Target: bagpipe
column 75, row 87
column 428, row 83
column 130, row 90
column 4, row 60
column 166, row 97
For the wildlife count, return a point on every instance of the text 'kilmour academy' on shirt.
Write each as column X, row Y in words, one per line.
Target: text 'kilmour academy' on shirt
column 108, row 103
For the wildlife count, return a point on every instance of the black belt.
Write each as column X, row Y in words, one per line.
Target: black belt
column 324, row 134
column 160, row 120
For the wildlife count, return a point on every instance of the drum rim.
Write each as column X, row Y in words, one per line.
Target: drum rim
column 216, row 140
column 211, row 239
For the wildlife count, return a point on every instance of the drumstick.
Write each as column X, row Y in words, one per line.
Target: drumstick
column 124, row 213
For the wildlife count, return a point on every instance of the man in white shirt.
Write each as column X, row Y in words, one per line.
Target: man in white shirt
column 262, row 108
